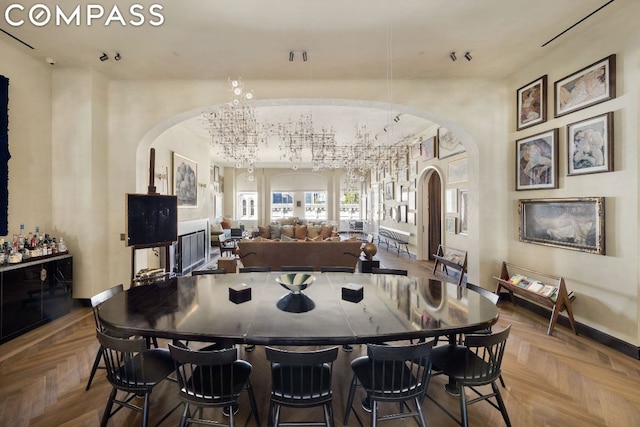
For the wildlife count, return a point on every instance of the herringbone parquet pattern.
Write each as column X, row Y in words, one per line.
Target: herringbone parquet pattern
column 559, row 380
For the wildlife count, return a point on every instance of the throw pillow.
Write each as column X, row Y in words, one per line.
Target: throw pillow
column 301, row 231
column 264, row 232
column 216, row 228
column 225, row 225
column 318, row 238
column 288, row 230
column 275, row 231
column 313, row 230
column 286, row 238
column 325, row 231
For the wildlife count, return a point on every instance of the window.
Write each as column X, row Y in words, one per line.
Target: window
column 350, row 205
column 315, row 205
column 281, row 204
column 247, row 205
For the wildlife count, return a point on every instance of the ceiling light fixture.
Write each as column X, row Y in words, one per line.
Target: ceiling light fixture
column 117, row 57
column 396, row 118
column 452, row 55
column 291, row 56
column 304, row 56
column 468, row 56
column 104, row 57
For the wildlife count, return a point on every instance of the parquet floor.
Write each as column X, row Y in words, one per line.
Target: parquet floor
column 559, row 380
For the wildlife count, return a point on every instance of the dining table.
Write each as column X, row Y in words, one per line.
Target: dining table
column 333, row 308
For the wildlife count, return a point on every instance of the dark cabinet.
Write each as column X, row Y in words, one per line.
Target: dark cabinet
column 34, row 292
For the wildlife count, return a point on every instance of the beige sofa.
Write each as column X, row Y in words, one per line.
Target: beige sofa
column 276, row 254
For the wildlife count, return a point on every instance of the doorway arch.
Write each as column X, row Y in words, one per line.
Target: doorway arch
column 429, row 223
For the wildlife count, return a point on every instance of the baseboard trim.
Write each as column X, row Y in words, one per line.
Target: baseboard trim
column 584, row 330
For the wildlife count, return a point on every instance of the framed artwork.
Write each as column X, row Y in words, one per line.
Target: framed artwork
column 537, row 161
column 216, row 174
column 412, row 200
column 572, row 223
column 402, row 213
column 450, row 224
column 388, row 191
column 532, row 103
column 404, row 191
column 411, row 217
column 403, row 174
column 413, row 168
column 448, row 144
column 464, row 211
column 185, row 178
column 451, row 200
column 590, row 145
column 429, row 149
column 592, row 85
column 457, row 171
column 416, row 150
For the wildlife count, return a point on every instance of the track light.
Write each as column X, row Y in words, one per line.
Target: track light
column 117, row 57
column 468, row 56
column 104, row 57
column 452, row 55
column 291, row 56
column 304, row 56
column 396, row 118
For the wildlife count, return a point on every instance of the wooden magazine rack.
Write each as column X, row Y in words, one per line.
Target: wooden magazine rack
column 451, row 258
column 561, row 302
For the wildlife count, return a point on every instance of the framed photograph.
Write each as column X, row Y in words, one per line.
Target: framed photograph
column 572, row 223
column 537, row 161
column 450, row 224
column 185, row 178
column 388, row 191
column 411, row 217
column 590, row 145
column 412, row 199
column 591, row 85
column 464, row 211
column 457, row 171
column 532, row 103
column 404, row 191
column 216, row 174
column 416, row 150
column 402, row 213
column 448, row 144
column 429, row 149
column 451, row 200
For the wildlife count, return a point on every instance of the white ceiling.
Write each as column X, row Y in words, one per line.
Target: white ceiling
column 356, row 39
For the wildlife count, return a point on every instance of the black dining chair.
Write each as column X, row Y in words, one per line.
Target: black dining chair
column 227, row 245
column 297, row 268
column 475, row 364
column 392, row 374
column 301, row 379
column 257, row 269
column 96, row 301
column 209, row 271
column 134, row 370
column 212, row 379
column 399, row 272
column 336, row 269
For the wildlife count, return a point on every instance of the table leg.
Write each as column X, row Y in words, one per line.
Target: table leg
column 452, row 386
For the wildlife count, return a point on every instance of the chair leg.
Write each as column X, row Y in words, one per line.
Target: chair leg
column 252, row 402
column 503, row 408
column 96, row 362
column 502, row 381
column 185, row 415
column 107, row 410
column 352, row 392
column 463, row 407
column 374, row 413
column 145, row 411
column 423, row 422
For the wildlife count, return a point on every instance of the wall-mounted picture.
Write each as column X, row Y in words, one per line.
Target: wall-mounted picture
column 464, row 208
column 572, row 223
column 216, row 174
column 402, row 217
column 537, row 161
column 457, row 171
column 404, row 193
column 448, row 144
column 412, row 199
column 411, row 217
column 450, row 224
column 429, row 149
column 532, row 103
column 590, row 145
column 388, row 191
column 416, row 150
column 185, row 177
column 592, row 85
column 451, row 200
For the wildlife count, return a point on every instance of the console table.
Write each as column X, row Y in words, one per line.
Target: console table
column 34, row 292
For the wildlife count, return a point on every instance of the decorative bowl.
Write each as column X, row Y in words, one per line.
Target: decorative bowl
column 296, row 282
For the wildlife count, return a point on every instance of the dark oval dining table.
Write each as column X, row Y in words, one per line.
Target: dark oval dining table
column 389, row 308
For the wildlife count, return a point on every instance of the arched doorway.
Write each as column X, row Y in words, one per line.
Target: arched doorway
column 431, row 231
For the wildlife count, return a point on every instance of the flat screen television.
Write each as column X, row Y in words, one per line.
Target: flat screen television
column 152, row 220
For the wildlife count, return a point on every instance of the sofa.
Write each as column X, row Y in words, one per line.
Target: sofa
column 276, row 254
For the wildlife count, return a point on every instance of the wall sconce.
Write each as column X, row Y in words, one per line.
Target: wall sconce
column 291, row 56
column 452, row 55
column 396, row 118
column 468, row 56
column 117, row 57
column 104, row 57
column 202, row 185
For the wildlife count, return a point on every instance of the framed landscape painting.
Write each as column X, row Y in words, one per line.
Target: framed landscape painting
column 448, row 144
column 572, row 223
column 537, row 161
column 532, row 103
column 590, row 145
column 591, row 85
column 185, row 177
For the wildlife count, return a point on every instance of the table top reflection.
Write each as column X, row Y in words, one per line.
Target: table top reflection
column 389, row 308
